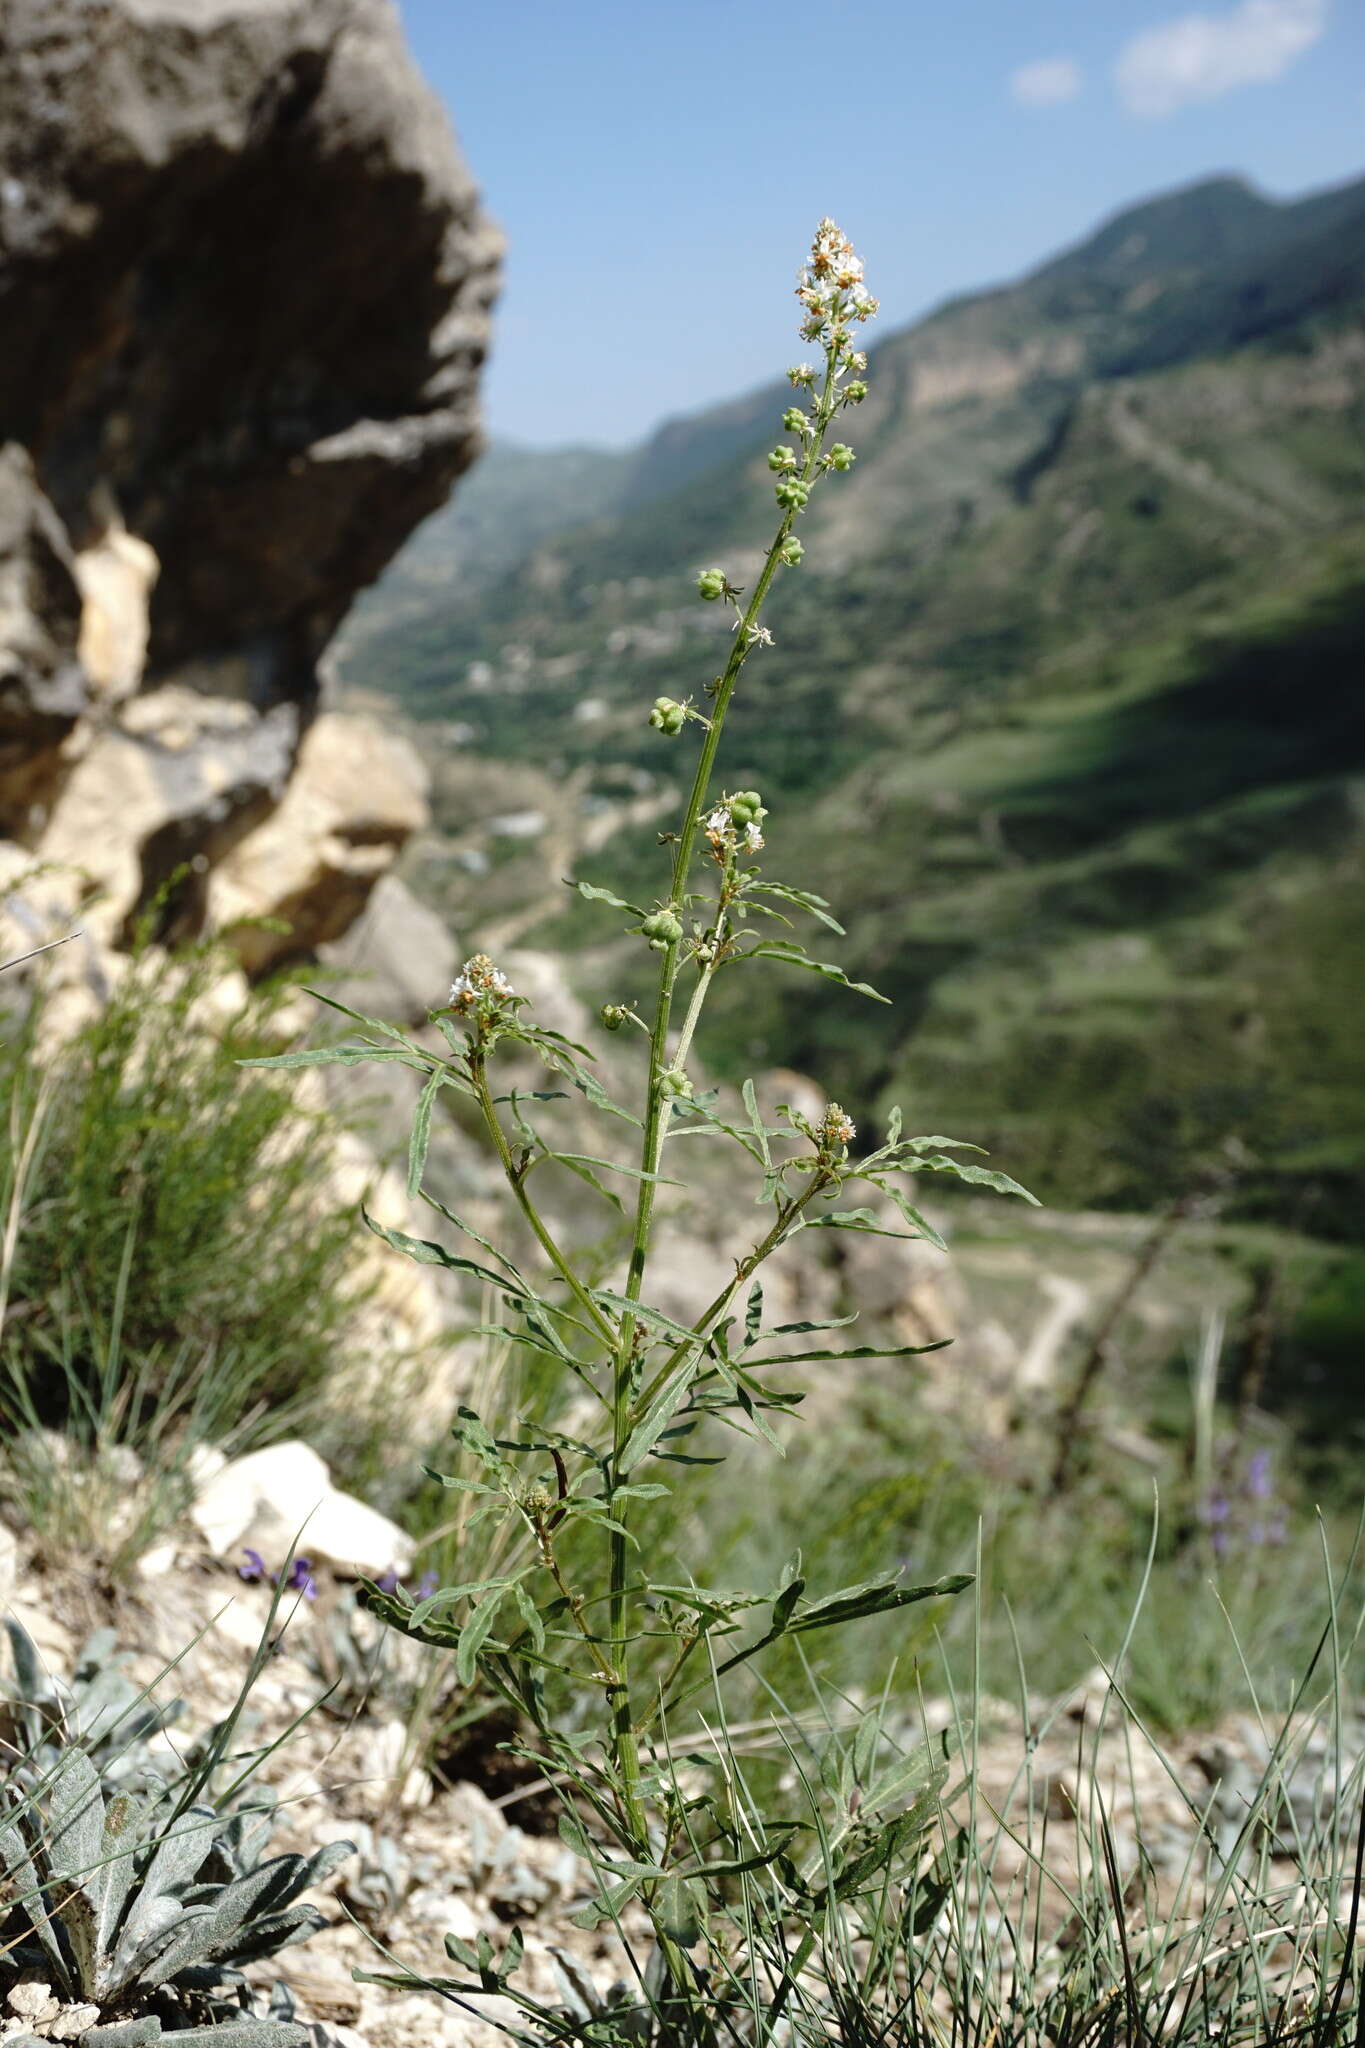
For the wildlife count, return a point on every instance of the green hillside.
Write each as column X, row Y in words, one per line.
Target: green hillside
column 1065, row 713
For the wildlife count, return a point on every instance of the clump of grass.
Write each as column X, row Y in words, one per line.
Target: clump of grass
column 171, row 1271
column 1051, row 1911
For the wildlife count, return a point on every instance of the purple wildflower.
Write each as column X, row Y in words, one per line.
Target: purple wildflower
column 426, row 1585
column 1259, row 1485
column 254, row 1570
column 387, row 1582
column 301, row 1580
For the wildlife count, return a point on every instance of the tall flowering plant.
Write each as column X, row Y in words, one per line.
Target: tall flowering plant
column 644, row 1649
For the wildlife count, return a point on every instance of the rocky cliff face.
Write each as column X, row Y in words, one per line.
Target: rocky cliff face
column 245, row 284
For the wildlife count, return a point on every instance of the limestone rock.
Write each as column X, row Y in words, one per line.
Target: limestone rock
column 42, row 688
column 32, row 2000
column 245, row 283
column 115, row 576
column 274, row 1497
column 397, row 960
column 356, row 795
column 174, row 784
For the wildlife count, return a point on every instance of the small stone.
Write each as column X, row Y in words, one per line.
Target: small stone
column 32, row 2000
column 447, row 1913
column 73, row 2022
column 274, row 1497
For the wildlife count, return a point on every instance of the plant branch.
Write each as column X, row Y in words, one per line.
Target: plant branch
column 478, row 1074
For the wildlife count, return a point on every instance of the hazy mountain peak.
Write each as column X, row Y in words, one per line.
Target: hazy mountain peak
column 1199, row 226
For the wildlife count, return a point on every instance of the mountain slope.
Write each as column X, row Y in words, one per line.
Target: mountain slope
column 1064, row 712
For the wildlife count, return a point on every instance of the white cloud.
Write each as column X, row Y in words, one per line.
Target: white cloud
column 1047, row 83
column 1200, row 56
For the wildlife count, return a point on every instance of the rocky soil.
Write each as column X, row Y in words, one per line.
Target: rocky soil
column 441, row 1854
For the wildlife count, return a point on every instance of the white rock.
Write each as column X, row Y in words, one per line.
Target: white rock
column 205, row 1462
column 447, row 1912
column 517, row 825
column 33, row 2001
column 284, row 1495
column 115, row 577
column 73, row 2022
column 357, row 794
column 386, row 1756
column 241, row 1623
column 159, row 1560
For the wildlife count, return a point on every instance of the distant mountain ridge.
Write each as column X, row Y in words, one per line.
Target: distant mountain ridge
column 1244, row 259
column 1065, row 708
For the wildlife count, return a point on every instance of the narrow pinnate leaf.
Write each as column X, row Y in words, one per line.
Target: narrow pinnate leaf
column 796, row 956
column 421, row 1131
column 593, row 894
column 965, row 1169
column 427, row 1253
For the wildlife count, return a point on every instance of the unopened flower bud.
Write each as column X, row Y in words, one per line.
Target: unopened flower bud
column 674, row 1083
column 782, row 459
column 711, row 583
column 855, row 392
column 791, row 551
column 791, row 495
column 613, row 1016
column 662, row 929
column 796, row 421
column 841, row 456
column 668, row 716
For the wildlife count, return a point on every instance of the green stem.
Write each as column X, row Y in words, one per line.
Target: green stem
column 747, row 1266
column 658, row 1105
column 575, row 1606
column 478, row 1074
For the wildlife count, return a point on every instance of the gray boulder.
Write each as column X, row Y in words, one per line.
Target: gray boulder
column 42, row 685
column 244, row 288
column 245, row 284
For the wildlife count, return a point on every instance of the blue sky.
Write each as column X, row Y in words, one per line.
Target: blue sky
column 658, row 168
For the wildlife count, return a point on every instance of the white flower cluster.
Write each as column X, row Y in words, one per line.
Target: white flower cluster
column 477, row 980
column 724, row 837
column 830, row 286
column 837, row 1126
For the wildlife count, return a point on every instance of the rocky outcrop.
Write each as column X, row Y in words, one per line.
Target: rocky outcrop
column 397, row 960
column 302, row 879
column 245, row 285
column 244, row 293
column 42, row 686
